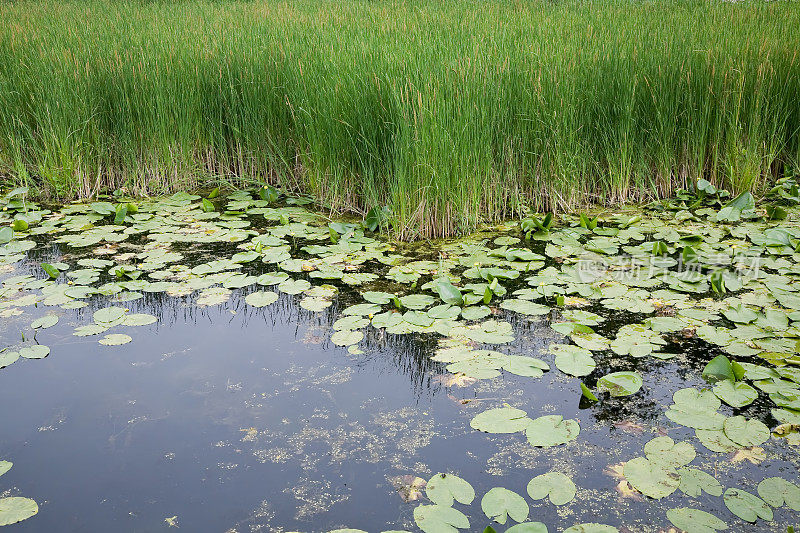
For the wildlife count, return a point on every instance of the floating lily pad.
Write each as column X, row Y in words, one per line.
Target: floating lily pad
column 16, row 509
column 777, row 491
column 346, row 337
column 694, row 482
column 37, row 351
column 439, row 519
column 261, row 298
column 109, row 315
column 695, row 520
column 115, row 339
column 551, row 430
column 746, row 506
column 591, row 527
column 573, row 360
column 735, row 394
column 555, row 485
column 651, row 478
column 443, row 489
column 666, row 451
column 620, row 383
column 499, row 504
column 746, row 432
column 501, row 420
column 45, row 322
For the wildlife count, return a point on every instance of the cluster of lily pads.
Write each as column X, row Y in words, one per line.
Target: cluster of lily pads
column 703, row 266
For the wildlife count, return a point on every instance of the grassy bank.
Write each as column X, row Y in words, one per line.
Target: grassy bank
column 450, row 112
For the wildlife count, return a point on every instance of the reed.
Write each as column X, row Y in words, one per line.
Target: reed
column 451, row 112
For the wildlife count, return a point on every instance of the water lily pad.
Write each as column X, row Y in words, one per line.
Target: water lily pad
column 694, row 482
column 735, row 394
column 261, row 298
column 551, row 430
column 7, row 358
column 651, row 478
column 528, row 527
column 5, row 466
column 666, row 451
column 16, row 509
column 501, row 420
column 45, row 322
column 695, row 520
column 443, row 489
column 573, row 360
column 139, row 319
column 591, row 527
column 346, row 337
column 525, row 307
column 90, row 329
column 291, row 286
column 37, row 351
column 696, row 409
column 620, row 383
column 500, row 503
column 716, row 440
column 555, row 485
column 777, row 491
column 746, row 506
column 109, row 315
column 115, row 339
column 746, row 432
column 439, row 519
column 526, row 366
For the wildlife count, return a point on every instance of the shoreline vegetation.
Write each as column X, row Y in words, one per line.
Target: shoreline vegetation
column 451, row 114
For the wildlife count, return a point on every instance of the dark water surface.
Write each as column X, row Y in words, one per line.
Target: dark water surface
column 231, row 418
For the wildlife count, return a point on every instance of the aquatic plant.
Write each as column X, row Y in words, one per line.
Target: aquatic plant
column 449, row 114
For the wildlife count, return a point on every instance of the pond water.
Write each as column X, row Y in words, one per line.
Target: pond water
column 226, row 409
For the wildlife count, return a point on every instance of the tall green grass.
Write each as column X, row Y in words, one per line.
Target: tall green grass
column 452, row 112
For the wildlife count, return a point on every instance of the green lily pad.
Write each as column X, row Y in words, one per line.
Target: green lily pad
column 620, row 383
column 528, row 527
column 261, row 298
column 439, row 519
column 7, row 358
column 696, row 409
column 695, row 521
column 501, row 420
column 109, row 315
column 777, row 491
column 555, row 485
column 37, row 351
column 500, row 503
column 45, row 322
column 651, row 478
column 591, row 527
column 736, row 394
column 526, row 366
column 746, row 506
column 746, row 432
column 139, row 319
column 16, row 509
column 346, row 337
column 694, row 482
column 573, row 360
column 525, row 307
column 551, row 430
column 115, row 339
column 443, row 489
column 5, row 466
column 667, row 452
column 291, row 286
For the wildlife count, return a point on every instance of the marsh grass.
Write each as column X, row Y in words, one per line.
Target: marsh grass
column 451, row 112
